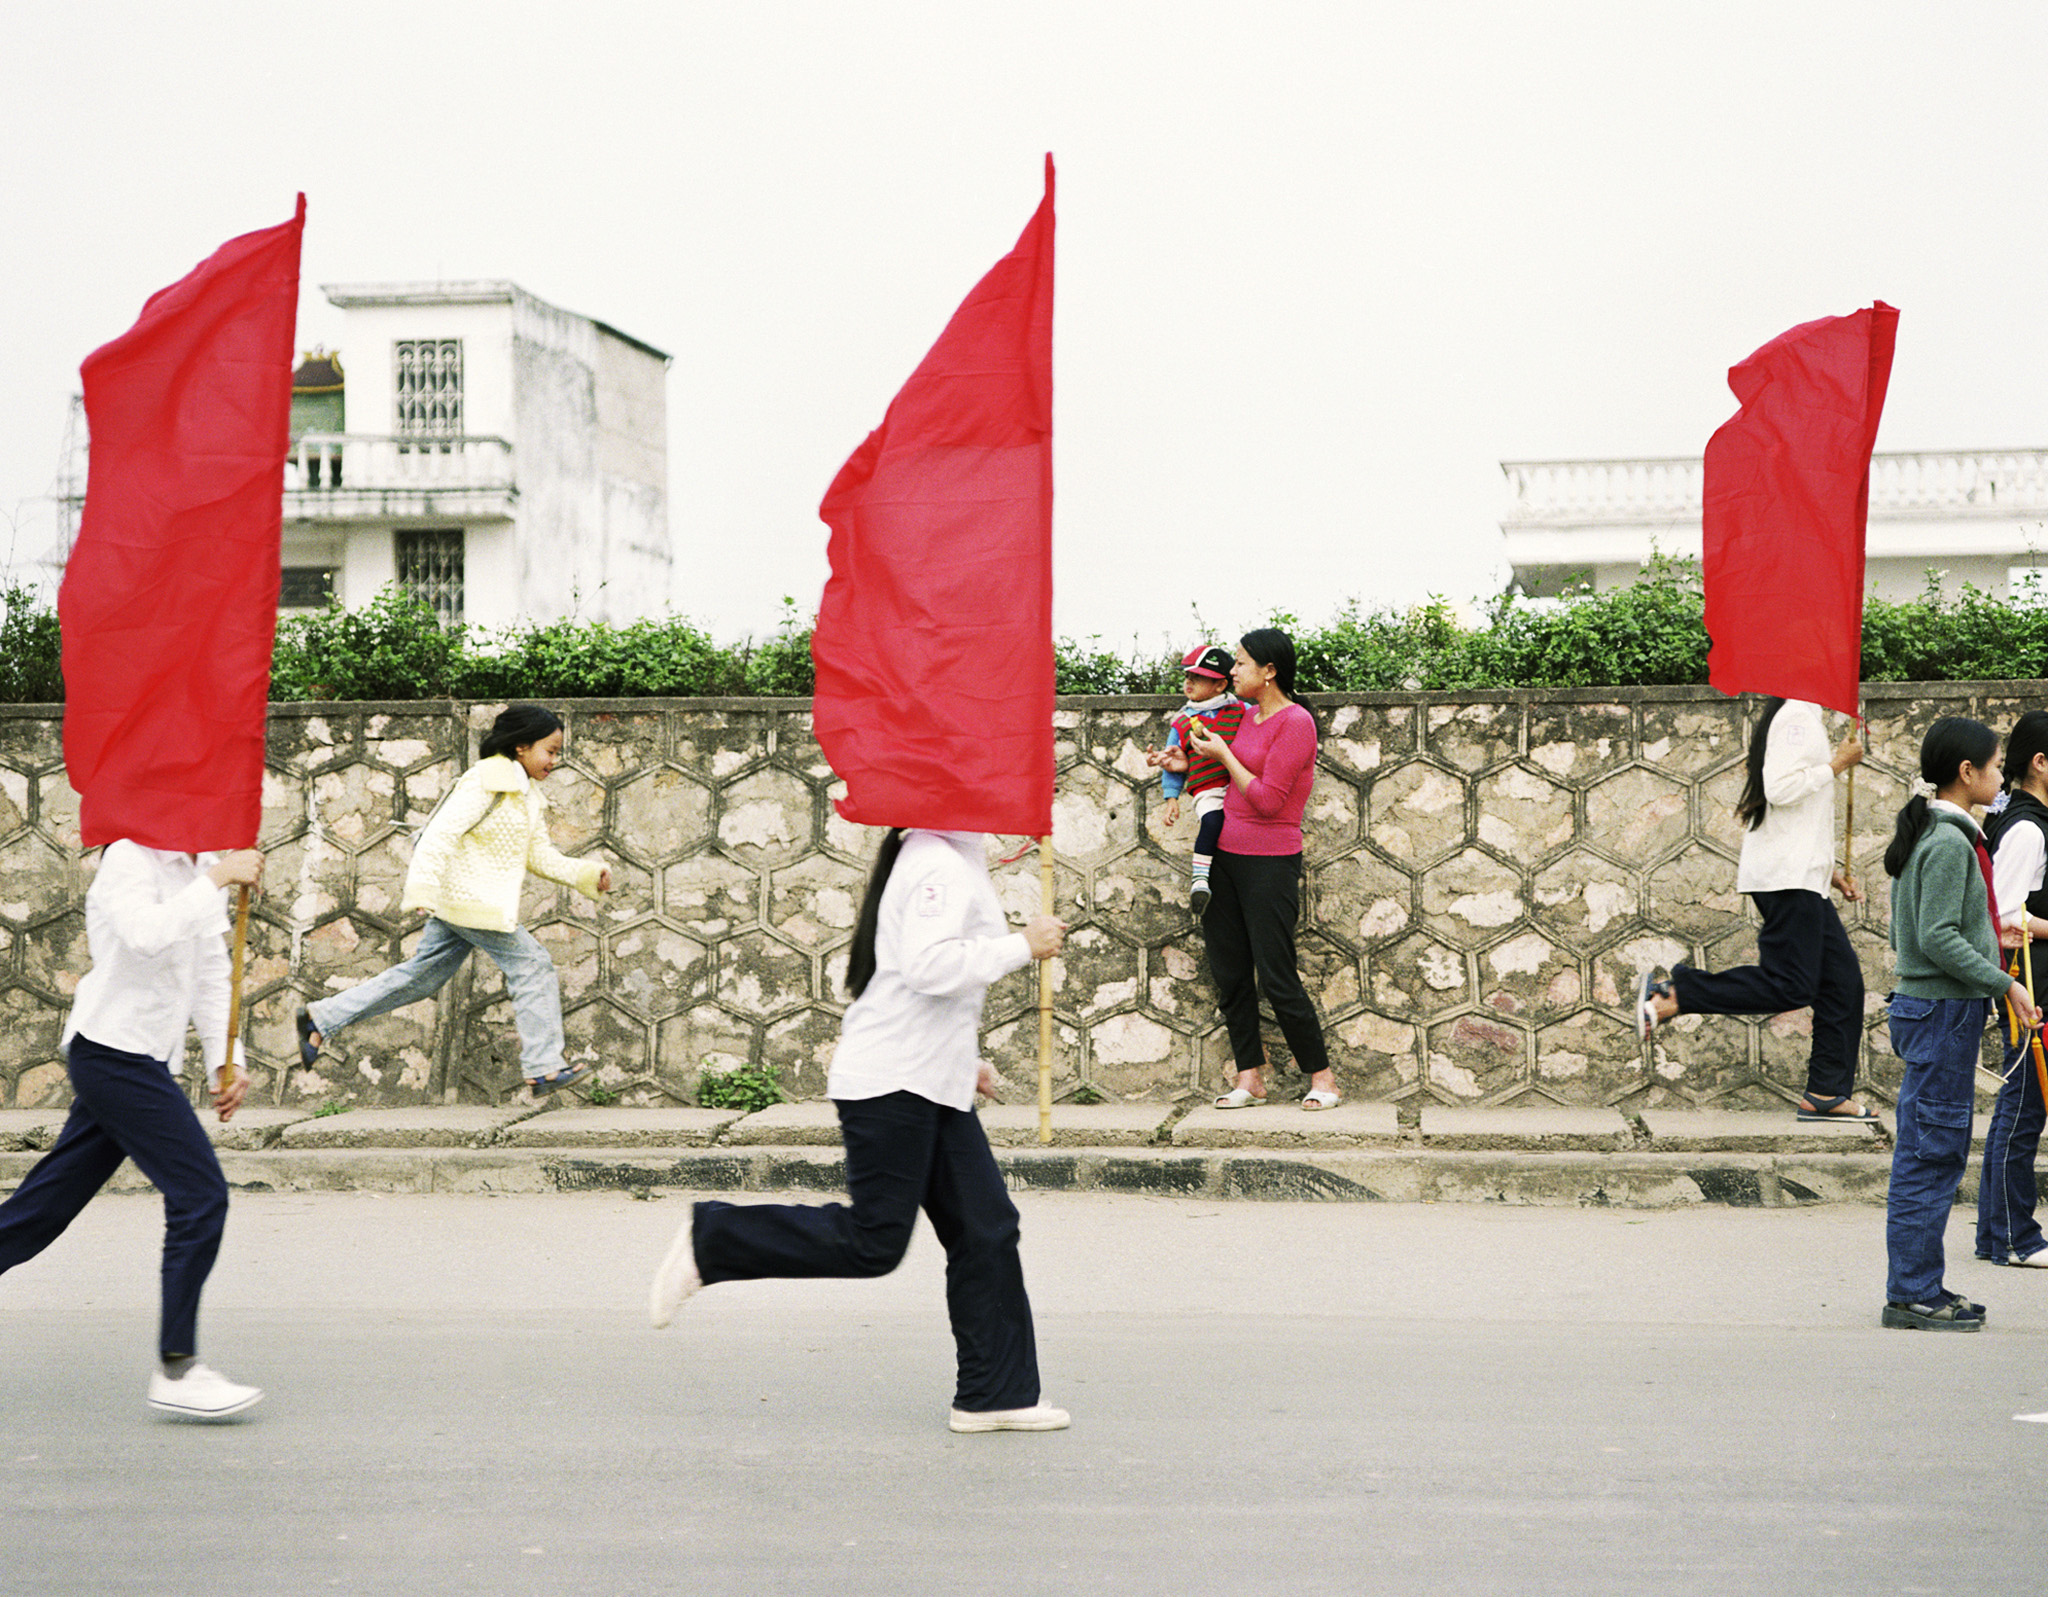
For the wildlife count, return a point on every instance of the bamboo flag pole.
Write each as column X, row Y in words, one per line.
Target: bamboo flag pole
column 227, row 1066
column 1849, row 828
column 1849, row 816
column 2034, row 1045
column 1045, row 998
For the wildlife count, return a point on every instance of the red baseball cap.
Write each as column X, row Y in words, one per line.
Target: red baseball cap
column 1208, row 660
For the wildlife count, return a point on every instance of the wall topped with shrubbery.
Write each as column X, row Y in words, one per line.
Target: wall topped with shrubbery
column 1488, row 871
column 1648, row 634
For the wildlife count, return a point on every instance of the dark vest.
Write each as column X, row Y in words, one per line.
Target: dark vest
column 2021, row 807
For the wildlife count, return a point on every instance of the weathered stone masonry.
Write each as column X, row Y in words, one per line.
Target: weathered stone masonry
column 1487, row 875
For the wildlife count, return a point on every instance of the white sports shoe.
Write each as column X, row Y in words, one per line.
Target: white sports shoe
column 675, row 1281
column 1038, row 1417
column 200, row 1394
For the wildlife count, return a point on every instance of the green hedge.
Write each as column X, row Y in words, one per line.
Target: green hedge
column 1646, row 634
column 31, row 671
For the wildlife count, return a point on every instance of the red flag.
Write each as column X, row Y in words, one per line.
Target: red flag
column 169, row 600
column 1787, row 495
column 934, row 639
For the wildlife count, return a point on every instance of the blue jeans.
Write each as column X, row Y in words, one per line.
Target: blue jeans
column 1938, row 1040
column 529, row 978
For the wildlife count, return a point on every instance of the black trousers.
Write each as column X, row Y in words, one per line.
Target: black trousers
column 128, row 1106
column 903, row 1153
column 1803, row 960
column 1249, row 933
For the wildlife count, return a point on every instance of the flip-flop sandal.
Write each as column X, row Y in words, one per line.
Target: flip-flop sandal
column 309, row 1050
column 1317, row 1098
column 567, row 1076
column 1239, row 1098
column 1817, row 1109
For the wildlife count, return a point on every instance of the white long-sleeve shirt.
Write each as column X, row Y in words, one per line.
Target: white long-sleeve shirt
column 940, row 940
column 1794, row 847
column 153, row 926
column 2016, row 871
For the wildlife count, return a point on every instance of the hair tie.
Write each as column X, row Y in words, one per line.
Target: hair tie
column 1922, row 788
column 1997, row 805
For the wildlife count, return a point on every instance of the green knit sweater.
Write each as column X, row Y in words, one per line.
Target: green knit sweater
column 1942, row 937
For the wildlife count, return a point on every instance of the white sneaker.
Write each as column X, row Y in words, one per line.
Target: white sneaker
column 200, row 1394
column 1039, row 1417
column 675, row 1281
column 2038, row 1259
column 1649, row 988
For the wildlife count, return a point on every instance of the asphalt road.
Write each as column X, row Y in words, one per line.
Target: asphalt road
column 465, row 1398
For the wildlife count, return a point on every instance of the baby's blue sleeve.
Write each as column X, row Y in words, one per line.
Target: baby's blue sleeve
column 1171, row 782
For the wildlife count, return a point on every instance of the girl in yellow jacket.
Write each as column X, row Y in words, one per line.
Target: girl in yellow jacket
column 467, row 873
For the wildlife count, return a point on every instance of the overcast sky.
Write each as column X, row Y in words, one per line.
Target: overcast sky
column 1322, row 266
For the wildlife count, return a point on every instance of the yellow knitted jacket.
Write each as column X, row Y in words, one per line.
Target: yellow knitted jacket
column 471, row 862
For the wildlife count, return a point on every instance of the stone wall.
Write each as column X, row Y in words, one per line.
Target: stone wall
column 1487, row 876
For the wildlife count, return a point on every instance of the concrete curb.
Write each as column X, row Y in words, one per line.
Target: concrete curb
column 1628, row 1180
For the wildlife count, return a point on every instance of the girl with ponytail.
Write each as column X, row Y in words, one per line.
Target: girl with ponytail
column 1946, row 946
column 1803, row 956
column 930, row 938
column 2007, row 1232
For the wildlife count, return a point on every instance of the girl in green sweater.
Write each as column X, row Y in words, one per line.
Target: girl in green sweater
column 1945, row 944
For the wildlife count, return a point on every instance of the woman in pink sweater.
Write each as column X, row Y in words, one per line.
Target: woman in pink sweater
column 1255, row 883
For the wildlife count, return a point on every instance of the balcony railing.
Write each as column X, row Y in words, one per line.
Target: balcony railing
column 366, row 463
column 1963, row 483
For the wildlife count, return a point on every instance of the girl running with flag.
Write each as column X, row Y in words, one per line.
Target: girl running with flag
column 155, row 921
column 1803, row 956
column 930, row 938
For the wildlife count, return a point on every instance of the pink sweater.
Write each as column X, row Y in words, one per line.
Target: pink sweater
column 1281, row 755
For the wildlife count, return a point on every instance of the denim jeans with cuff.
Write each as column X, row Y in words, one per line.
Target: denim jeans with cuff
column 529, row 978
column 1939, row 1041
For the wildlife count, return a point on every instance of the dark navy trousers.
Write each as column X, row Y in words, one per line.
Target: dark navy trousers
column 128, row 1106
column 2006, row 1226
column 903, row 1153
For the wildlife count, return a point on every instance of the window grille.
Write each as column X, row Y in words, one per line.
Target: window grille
column 430, row 568
column 306, row 588
column 427, row 394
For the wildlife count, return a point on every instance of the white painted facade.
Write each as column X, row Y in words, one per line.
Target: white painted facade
column 1975, row 516
column 556, row 479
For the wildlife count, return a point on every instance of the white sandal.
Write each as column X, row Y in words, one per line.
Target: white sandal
column 1240, row 1098
column 1320, row 1098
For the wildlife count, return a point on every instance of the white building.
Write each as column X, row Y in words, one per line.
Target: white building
column 1976, row 516
column 505, row 459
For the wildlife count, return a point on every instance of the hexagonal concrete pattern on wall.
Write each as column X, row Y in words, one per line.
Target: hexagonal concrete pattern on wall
column 1471, row 896
column 1485, row 882
column 663, row 812
column 1416, row 813
column 1524, row 814
column 1637, row 816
